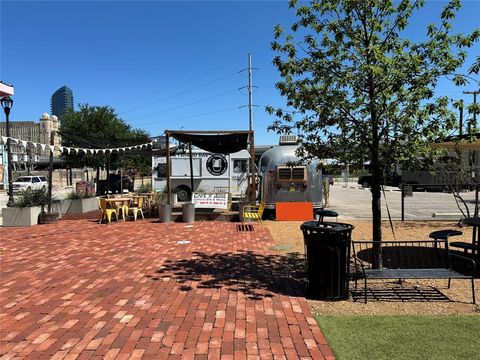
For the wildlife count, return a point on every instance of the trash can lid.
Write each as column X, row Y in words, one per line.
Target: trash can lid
column 326, row 226
column 326, row 213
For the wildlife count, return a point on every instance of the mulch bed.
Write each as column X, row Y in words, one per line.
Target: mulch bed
column 389, row 297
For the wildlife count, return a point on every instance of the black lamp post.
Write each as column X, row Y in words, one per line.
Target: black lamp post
column 7, row 104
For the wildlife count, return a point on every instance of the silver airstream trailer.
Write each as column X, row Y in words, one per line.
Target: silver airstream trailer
column 284, row 178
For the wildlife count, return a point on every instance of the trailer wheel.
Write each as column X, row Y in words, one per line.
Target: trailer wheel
column 183, row 193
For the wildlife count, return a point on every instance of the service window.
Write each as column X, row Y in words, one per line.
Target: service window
column 240, row 166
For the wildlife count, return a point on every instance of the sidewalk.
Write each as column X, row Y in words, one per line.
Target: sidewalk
column 77, row 289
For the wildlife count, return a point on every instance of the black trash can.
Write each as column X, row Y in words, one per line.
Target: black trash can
column 327, row 248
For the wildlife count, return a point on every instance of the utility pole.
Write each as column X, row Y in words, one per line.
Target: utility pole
column 250, row 128
column 461, row 118
column 474, row 93
column 250, row 111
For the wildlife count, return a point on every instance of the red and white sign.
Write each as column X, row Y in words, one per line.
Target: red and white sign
column 210, row 200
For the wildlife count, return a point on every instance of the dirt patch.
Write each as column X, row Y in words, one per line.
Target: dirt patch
column 412, row 296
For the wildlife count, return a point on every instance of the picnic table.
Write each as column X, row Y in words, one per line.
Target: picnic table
column 119, row 200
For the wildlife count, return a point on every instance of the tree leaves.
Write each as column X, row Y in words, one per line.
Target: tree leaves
column 99, row 127
column 349, row 50
column 358, row 89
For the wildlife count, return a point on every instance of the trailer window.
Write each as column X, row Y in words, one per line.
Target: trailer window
column 291, row 173
column 298, row 173
column 240, row 166
column 284, row 173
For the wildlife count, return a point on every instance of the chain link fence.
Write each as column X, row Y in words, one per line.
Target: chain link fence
column 427, row 201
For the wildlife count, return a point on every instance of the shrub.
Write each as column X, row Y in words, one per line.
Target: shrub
column 28, row 198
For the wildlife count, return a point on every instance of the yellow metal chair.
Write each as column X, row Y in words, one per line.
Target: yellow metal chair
column 136, row 207
column 123, row 208
column 253, row 212
column 106, row 211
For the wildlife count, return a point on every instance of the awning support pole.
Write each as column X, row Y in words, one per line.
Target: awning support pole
column 252, row 169
column 167, row 156
column 191, row 165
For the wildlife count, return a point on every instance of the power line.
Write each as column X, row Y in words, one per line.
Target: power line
column 189, row 81
column 190, row 116
column 180, row 93
column 188, row 104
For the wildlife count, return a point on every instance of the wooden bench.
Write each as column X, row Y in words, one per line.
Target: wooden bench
column 423, row 259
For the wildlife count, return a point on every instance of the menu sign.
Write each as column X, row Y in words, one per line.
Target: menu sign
column 210, row 200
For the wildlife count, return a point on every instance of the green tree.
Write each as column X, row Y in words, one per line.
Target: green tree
column 361, row 90
column 99, row 127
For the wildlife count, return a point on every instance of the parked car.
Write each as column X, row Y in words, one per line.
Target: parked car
column 389, row 180
column 29, row 183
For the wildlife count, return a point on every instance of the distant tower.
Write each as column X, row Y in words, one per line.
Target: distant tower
column 61, row 101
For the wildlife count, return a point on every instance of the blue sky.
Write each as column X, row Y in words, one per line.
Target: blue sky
column 161, row 65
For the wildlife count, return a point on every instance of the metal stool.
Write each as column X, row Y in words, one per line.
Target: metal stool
column 326, row 213
column 444, row 234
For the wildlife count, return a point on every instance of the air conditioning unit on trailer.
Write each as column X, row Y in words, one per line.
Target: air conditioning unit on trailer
column 288, row 140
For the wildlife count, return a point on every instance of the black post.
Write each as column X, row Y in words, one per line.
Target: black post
column 191, row 165
column 29, row 159
column 108, row 172
column 403, row 202
column 50, row 172
column 167, row 159
column 7, row 104
column 477, row 188
column 97, row 179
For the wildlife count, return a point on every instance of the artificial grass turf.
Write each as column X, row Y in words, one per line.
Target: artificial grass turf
column 402, row 337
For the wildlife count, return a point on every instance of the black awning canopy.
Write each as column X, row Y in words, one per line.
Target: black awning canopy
column 219, row 142
column 222, row 143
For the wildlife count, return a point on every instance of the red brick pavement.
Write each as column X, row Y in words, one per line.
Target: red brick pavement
column 79, row 290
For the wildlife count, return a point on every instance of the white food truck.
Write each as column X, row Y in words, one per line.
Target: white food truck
column 211, row 173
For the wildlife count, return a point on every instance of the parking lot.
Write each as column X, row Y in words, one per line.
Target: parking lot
column 354, row 202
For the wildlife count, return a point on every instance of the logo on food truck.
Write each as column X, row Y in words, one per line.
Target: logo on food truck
column 217, row 164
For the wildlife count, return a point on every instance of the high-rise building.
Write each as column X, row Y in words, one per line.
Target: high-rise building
column 61, row 100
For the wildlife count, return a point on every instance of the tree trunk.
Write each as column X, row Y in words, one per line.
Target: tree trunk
column 376, row 170
column 376, row 211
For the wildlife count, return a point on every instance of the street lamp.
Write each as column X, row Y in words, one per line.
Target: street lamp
column 7, row 104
